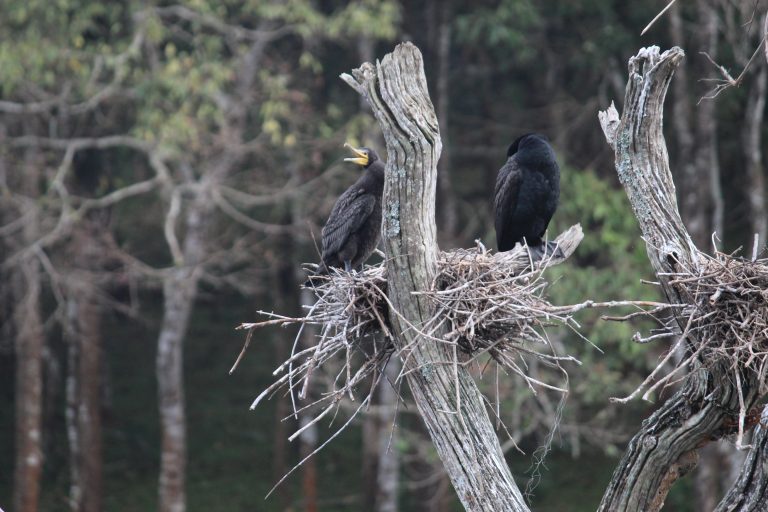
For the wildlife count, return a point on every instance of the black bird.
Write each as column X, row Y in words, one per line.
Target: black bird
column 353, row 229
column 527, row 190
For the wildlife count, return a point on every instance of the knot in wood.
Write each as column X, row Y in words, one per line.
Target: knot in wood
column 649, row 443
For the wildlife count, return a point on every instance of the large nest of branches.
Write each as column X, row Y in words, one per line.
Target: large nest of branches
column 485, row 303
column 731, row 295
column 725, row 322
column 495, row 303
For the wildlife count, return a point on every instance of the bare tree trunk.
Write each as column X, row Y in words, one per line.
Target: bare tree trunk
column 388, row 459
column 755, row 113
column 396, row 89
column 30, row 341
column 84, row 402
column 84, row 373
column 697, row 166
column 666, row 446
column 381, row 465
column 29, row 388
column 682, row 120
column 370, row 454
column 280, row 446
column 308, row 438
column 701, row 194
column 706, row 154
column 179, row 292
column 447, row 214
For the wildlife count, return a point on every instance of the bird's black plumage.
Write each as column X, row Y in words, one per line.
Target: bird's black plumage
column 527, row 191
column 353, row 229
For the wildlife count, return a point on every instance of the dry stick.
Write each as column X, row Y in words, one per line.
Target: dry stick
column 316, row 450
column 728, row 80
column 661, row 13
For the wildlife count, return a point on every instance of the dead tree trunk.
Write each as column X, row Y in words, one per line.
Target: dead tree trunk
column 446, row 396
column 179, row 293
column 666, row 446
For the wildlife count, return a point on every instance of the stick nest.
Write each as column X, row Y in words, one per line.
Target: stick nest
column 730, row 317
column 485, row 303
column 724, row 321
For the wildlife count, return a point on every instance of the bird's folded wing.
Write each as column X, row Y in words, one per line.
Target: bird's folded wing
column 505, row 198
column 347, row 216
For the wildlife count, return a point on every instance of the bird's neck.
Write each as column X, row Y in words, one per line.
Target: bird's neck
column 376, row 173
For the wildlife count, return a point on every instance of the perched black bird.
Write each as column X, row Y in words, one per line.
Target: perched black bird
column 353, row 229
column 527, row 190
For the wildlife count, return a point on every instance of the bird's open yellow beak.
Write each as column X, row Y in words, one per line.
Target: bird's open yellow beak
column 360, row 159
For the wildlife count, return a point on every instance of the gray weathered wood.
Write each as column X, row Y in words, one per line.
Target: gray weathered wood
column 456, row 419
column 665, row 447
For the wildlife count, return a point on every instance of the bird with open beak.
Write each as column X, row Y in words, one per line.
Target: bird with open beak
column 353, row 229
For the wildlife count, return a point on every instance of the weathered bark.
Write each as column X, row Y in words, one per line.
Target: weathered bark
column 666, row 446
column 446, row 396
column 179, row 292
column 749, row 492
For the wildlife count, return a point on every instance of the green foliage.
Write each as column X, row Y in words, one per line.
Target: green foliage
column 611, row 260
column 608, row 265
column 504, row 27
column 52, row 44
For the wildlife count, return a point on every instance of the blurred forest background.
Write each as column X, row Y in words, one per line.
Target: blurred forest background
column 165, row 168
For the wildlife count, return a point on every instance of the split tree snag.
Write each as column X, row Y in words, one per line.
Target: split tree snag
column 457, row 421
column 708, row 400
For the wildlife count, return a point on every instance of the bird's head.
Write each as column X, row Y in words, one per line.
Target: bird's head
column 527, row 141
column 363, row 156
